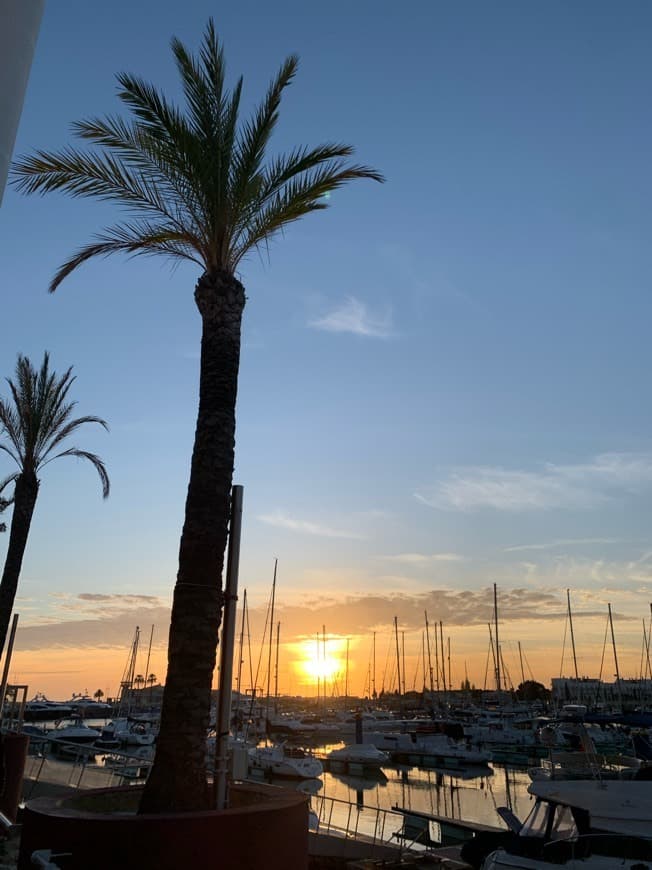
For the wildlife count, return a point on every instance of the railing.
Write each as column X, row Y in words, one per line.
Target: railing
column 62, row 763
column 374, row 826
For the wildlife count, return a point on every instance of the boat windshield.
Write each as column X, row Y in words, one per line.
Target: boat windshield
column 550, row 822
column 536, row 823
column 563, row 824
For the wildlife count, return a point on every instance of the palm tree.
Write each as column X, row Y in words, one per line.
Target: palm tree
column 98, row 694
column 34, row 423
column 198, row 185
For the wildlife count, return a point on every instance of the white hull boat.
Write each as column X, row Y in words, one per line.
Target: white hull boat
column 359, row 754
column 274, row 761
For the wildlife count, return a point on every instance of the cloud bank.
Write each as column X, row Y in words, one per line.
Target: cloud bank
column 581, row 486
column 353, row 316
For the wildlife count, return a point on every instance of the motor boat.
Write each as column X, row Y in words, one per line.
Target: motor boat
column 359, row 754
column 438, row 748
column 277, row 761
column 127, row 732
column 578, row 824
column 41, row 710
column 75, row 732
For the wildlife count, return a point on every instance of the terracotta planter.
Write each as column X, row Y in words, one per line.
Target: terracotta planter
column 264, row 827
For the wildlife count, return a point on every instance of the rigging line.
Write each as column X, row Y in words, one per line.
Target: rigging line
column 486, row 668
column 531, row 673
column 262, row 643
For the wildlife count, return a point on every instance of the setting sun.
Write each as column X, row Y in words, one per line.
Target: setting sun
column 314, row 662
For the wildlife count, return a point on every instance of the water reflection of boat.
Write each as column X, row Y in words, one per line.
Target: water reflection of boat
column 362, row 783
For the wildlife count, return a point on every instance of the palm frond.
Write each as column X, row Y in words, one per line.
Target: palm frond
column 64, row 432
column 99, row 175
column 255, row 134
column 166, row 166
column 198, row 181
column 93, row 459
column 133, row 239
column 5, row 483
column 295, row 199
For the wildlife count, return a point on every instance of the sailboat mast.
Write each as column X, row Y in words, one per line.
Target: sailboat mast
column 323, row 634
column 278, row 644
column 450, row 682
column 149, row 653
column 432, row 685
column 443, row 660
column 346, row 679
column 241, row 644
column 520, row 658
column 613, row 643
column 436, row 659
column 398, row 659
column 572, row 633
column 498, row 681
column 271, row 641
column 374, row 667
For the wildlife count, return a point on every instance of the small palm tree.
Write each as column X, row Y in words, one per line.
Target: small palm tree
column 198, row 185
column 34, row 423
column 98, row 694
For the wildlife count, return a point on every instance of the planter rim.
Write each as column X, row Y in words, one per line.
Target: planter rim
column 57, row 806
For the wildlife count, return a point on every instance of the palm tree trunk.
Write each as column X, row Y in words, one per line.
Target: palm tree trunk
column 25, row 495
column 177, row 780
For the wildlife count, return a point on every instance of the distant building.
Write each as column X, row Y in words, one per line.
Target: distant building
column 20, row 21
column 597, row 693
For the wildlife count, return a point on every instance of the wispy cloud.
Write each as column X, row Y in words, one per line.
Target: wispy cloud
column 422, row 558
column 306, row 527
column 585, row 485
column 354, row 316
column 563, row 542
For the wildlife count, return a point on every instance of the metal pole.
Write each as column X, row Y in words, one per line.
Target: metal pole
column 223, row 722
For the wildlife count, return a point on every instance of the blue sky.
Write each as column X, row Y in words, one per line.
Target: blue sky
column 444, row 380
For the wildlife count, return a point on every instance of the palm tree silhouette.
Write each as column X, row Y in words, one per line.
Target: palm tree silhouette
column 34, row 423
column 198, row 185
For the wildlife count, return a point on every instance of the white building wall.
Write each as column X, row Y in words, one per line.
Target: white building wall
column 19, row 26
